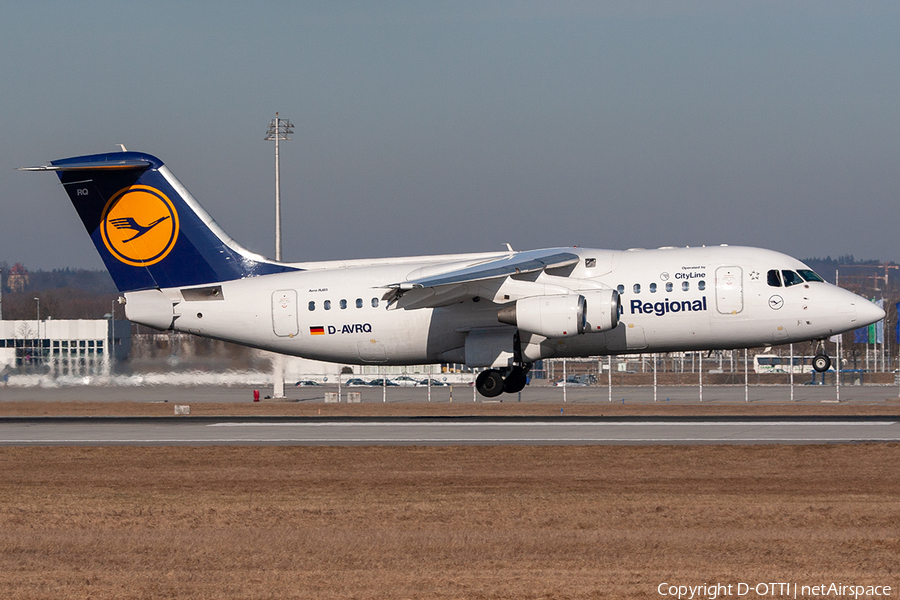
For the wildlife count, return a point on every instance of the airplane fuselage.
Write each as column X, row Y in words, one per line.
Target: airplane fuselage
column 671, row 300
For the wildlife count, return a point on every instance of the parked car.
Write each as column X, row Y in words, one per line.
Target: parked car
column 569, row 382
column 306, row 382
column 355, row 382
column 382, row 383
column 577, row 381
column 406, row 381
column 433, row 382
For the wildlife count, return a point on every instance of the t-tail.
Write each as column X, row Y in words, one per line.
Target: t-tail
column 149, row 230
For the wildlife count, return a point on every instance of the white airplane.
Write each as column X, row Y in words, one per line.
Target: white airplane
column 500, row 311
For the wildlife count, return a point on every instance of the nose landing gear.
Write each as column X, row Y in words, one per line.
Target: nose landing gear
column 821, row 362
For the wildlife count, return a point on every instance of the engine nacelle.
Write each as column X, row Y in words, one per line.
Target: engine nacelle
column 602, row 308
column 564, row 315
column 549, row 316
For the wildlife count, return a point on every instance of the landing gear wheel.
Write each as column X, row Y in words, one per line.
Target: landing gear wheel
column 821, row 363
column 515, row 381
column 489, row 383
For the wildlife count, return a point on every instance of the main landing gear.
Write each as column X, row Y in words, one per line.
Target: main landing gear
column 821, row 362
column 492, row 383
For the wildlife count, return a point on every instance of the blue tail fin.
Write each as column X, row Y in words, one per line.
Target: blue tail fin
column 148, row 229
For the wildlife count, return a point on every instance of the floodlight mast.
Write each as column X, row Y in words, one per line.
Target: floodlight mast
column 279, row 129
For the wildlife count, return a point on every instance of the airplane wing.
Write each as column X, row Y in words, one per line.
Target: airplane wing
column 444, row 286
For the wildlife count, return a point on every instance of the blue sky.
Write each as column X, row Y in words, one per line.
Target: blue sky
column 453, row 127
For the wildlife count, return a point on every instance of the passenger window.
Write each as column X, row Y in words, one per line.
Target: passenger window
column 685, row 285
column 790, row 278
column 637, row 288
column 652, row 288
column 343, row 304
column 774, row 278
column 620, row 288
column 590, row 263
column 327, row 305
column 374, row 302
column 359, row 303
column 312, row 305
column 810, row 275
column 669, row 286
column 701, row 285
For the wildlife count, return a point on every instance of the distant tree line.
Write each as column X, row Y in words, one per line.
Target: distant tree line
column 63, row 294
column 98, row 282
column 845, row 259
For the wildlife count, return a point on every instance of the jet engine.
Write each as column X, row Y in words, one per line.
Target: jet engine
column 564, row 315
column 602, row 308
column 550, row 316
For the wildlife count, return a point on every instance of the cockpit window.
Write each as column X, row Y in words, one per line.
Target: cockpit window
column 791, row 278
column 809, row 275
column 774, row 278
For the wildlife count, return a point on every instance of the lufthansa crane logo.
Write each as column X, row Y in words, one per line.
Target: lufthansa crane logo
column 139, row 226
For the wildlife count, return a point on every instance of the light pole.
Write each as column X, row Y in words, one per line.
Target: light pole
column 278, row 130
column 40, row 344
column 110, row 357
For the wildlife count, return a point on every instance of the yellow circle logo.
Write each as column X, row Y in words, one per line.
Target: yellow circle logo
column 139, row 226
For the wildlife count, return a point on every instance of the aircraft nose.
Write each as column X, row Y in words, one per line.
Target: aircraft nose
column 868, row 312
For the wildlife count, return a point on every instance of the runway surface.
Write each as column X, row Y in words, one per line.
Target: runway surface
column 204, row 431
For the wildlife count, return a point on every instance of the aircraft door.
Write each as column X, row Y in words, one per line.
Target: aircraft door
column 284, row 313
column 729, row 290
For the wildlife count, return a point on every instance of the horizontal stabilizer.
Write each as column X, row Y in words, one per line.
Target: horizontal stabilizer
column 112, row 165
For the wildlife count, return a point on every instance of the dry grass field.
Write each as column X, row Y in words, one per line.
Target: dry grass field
column 442, row 522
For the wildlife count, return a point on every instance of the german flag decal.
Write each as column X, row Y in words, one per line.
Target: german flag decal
column 320, row 330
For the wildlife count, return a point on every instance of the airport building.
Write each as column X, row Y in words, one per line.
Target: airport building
column 63, row 347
